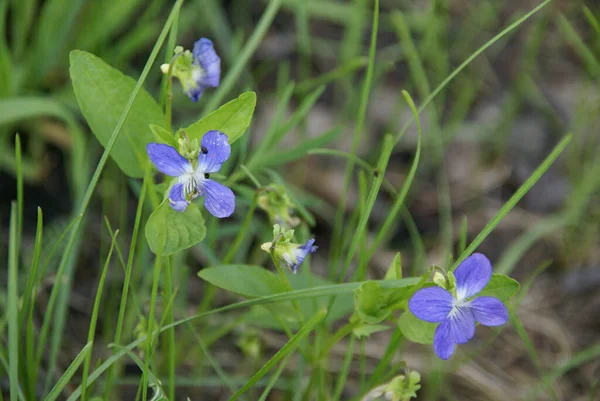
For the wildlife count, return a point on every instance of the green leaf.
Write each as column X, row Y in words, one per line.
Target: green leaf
column 501, row 287
column 102, row 93
column 372, row 303
column 169, row 231
column 232, row 119
column 163, row 135
column 365, row 330
column 247, row 280
column 342, row 306
column 394, row 272
column 415, row 329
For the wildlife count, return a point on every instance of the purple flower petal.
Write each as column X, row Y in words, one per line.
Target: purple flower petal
column 167, row 160
column 489, row 311
column 177, row 198
column 472, row 275
column 443, row 342
column 219, row 200
column 432, row 304
column 301, row 252
column 462, row 324
column 215, row 149
column 206, row 57
column 195, row 92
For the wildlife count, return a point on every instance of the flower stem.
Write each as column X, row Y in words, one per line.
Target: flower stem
column 338, row 336
column 169, row 91
column 286, row 282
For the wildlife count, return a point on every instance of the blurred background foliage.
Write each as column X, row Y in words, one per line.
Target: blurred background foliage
column 483, row 136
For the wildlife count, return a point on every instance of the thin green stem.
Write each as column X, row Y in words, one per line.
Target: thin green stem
column 94, row 319
column 236, row 70
column 338, row 336
column 339, row 218
column 241, row 233
column 171, row 348
column 150, row 344
column 128, row 271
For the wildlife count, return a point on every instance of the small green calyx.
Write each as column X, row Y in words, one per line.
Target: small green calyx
column 181, row 67
column 282, row 244
column 373, row 304
column 274, row 200
column 188, row 149
column 403, row 389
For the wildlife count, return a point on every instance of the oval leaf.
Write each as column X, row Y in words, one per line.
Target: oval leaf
column 163, row 135
column 415, row 329
column 232, row 119
column 247, row 280
column 169, row 231
column 102, row 93
column 501, row 287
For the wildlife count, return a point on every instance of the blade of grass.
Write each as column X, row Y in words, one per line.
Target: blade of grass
column 19, row 158
column 6, row 368
column 523, row 189
column 282, row 353
column 399, row 201
column 520, row 329
column 26, row 316
column 236, row 69
column 343, row 376
column 65, row 379
column 12, row 307
column 94, row 319
column 150, row 329
column 128, row 270
column 588, row 354
column 336, row 249
column 329, row 76
column 274, row 378
column 386, row 152
column 469, row 59
column 308, row 293
column 572, row 37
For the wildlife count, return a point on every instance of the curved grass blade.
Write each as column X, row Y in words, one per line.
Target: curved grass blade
column 322, row 291
column 282, row 353
column 66, row 377
column 530, row 182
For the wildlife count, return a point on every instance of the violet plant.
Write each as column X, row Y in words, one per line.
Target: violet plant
column 197, row 195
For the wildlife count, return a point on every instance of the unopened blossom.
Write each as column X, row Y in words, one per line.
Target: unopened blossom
column 293, row 254
column 457, row 312
column 193, row 175
column 196, row 70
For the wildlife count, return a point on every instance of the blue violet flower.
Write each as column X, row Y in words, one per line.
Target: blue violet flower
column 196, row 70
column 293, row 254
column 458, row 312
column 193, row 176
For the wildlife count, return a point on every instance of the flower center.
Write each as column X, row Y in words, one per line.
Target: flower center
column 456, row 306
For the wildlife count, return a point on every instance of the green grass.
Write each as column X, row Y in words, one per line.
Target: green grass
column 180, row 331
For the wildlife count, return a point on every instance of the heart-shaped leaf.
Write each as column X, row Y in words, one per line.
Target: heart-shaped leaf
column 169, row 231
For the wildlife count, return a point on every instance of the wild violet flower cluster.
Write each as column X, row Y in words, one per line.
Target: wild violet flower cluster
column 453, row 303
column 192, row 164
column 458, row 311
